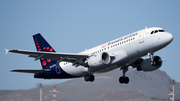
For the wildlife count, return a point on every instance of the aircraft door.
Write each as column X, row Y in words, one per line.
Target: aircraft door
column 141, row 36
column 58, row 71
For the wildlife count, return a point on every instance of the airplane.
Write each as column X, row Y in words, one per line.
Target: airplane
column 119, row 53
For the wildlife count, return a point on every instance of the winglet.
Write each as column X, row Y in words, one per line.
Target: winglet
column 6, row 50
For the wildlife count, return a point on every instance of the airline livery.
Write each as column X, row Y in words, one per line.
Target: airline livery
column 119, row 53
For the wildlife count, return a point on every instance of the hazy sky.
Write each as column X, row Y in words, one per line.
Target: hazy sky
column 70, row 26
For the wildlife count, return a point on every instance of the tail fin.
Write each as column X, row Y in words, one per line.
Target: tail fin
column 42, row 45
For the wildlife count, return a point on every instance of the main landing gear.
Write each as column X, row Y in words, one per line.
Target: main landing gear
column 124, row 79
column 89, row 77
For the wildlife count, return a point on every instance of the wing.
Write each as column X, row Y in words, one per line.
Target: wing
column 31, row 71
column 67, row 57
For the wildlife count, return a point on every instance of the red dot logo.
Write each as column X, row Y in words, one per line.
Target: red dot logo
column 39, row 49
column 44, row 48
column 47, row 48
column 44, row 63
column 48, row 60
column 50, row 49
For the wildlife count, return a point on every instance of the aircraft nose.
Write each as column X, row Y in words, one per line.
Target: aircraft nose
column 168, row 37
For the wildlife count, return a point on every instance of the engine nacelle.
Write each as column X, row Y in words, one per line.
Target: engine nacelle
column 99, row 60
column 147, row 65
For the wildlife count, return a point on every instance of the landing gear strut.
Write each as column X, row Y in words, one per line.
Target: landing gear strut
column 124, row 79
column 89, row 77
column 152, row 63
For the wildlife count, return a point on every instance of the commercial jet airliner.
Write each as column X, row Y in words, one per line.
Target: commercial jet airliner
column 119, row 53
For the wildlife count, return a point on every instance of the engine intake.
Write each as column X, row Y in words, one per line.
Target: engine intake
column 99, row 60
column 146, row 64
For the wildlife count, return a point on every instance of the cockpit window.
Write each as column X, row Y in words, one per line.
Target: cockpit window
column 152, row 32
column 155, row 31
column 161, row 30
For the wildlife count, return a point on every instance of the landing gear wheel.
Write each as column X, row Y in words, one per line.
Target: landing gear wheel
column 124, row 80
column 139, row 68
column 152, row 63
column 89, row 77
column 121, row 80
column 86, row 78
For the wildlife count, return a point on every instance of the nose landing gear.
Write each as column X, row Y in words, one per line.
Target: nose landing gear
column 152, row 63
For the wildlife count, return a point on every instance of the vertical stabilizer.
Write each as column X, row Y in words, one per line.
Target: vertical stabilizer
column 42, row 45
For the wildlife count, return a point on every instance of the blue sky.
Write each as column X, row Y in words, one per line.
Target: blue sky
column 70, row 26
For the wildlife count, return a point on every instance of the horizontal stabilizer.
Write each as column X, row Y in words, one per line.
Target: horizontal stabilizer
column 31, row 71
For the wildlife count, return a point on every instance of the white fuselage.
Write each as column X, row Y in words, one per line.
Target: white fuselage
column 125, row 50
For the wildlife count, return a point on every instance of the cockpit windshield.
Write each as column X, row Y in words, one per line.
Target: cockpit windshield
column 157, row 31
column 161, row 30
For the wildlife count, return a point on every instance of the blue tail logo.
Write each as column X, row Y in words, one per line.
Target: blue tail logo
column 43, row 45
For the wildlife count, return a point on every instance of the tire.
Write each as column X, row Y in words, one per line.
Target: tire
column 86, row 78
column 92, row 78
column 121, row 80
column 89, row 77
column 126, row 80
column 152, row 63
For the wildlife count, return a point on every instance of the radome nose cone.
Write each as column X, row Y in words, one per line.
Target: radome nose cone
column 169, row 37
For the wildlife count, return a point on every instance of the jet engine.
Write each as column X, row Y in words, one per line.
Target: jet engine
column 99, row 60
column 148, row 65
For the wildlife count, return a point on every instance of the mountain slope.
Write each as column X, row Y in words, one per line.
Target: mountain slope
column 141, row 87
